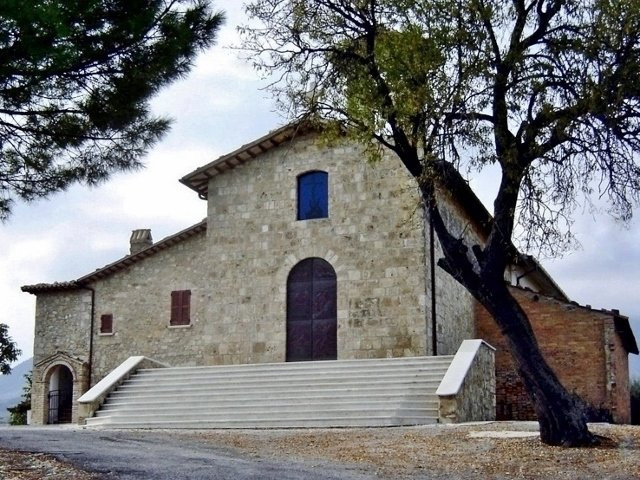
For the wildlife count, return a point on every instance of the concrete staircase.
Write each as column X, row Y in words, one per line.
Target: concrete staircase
column 376, row 392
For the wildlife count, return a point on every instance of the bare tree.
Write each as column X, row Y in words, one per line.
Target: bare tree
column 547, row 89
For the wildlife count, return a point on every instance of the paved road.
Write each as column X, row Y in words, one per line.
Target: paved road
column 125, row 455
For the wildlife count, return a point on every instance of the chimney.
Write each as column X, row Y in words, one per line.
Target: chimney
column 140, row 239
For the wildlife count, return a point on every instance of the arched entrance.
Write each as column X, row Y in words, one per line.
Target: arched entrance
column 311, row 311
column 60, row 395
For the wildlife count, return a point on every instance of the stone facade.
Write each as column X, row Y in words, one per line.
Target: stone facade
column 63, row 324
column 139, row 298
column 236, row 268
column 454, row 305
column 373, row 238
column 62, row 340
column 582, row 347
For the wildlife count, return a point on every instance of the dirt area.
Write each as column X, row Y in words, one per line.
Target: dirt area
column 36, row 466
column 497, row 450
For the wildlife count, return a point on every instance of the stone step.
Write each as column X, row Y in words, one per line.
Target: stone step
column 221, row 402
column 440, row 361
column 260, row 414
column 376, row 392
column 158, row 389
column 301, row 379
column 212, row 375
column 283, row 392
column 347, row 421
column 311, row 406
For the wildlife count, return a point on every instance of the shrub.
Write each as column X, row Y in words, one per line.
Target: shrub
column 19, row 412
column 635, row 401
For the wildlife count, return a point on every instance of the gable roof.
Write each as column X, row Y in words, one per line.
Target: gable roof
column 623, row 328
column 198, row 180
column 118, row 264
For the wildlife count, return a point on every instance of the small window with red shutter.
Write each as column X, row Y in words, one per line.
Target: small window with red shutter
column 180, row 307
column 106, row 323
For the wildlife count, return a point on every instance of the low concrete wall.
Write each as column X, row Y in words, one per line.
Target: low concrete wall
column 468, row 390
column 95, row 396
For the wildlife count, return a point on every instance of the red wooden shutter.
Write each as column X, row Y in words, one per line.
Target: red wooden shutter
column 180, row 307
column 175, row 307
column 186, row 307
column 106, row 323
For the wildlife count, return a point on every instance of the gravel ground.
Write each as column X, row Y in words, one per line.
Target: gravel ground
column 469, row 451
column 496, row 450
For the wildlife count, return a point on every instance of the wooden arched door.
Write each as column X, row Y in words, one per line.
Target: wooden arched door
column 311, row 311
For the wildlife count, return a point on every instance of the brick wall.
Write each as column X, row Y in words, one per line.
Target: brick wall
column 580, row 345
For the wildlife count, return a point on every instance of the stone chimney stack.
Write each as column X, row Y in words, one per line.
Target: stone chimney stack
column 140, row 239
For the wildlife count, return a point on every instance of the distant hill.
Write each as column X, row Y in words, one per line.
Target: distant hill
column 11, row 387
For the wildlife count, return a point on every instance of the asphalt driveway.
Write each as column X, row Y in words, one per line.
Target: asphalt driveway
column 121, row 454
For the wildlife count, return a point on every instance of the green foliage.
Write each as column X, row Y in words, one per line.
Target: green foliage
column 75, row 82
column 19, row 412
column 9, row 352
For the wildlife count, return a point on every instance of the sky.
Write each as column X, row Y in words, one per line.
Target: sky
column 220, row 106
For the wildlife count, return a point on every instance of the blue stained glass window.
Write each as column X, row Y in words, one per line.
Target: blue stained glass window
column 313, row 195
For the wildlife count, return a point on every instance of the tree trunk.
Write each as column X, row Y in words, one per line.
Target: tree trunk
column 562, row 415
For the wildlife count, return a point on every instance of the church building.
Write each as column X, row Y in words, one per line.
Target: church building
column 309, row 253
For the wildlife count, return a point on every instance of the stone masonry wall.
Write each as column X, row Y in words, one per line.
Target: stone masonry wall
column 572, row 339
column 139, row 298
column 454, row 304
column 41, row 383
column 62, row 323
column 476, row 399
column 373, row 238
column 617, row 373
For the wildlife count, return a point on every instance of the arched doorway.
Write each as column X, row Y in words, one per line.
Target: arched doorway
column 60, row 395
column 311, row 311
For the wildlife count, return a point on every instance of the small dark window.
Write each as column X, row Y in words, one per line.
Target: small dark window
column 180, row 307
column 106, row 323
column 313, row 195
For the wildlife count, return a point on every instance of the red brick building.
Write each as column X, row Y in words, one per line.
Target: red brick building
column 586, row 348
